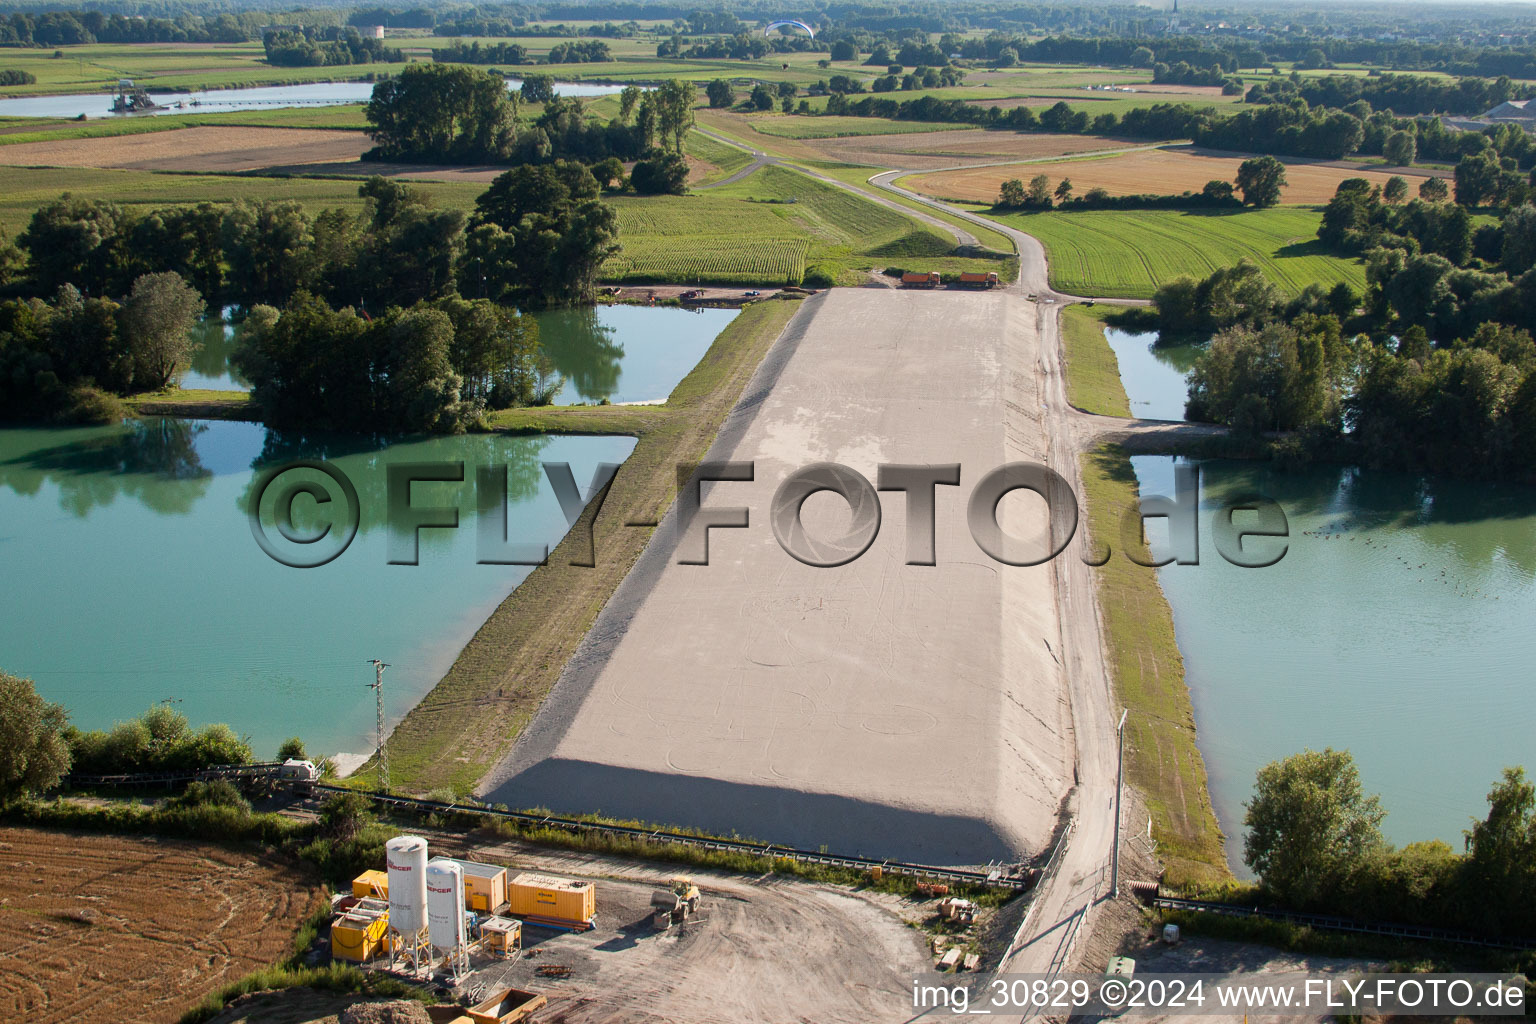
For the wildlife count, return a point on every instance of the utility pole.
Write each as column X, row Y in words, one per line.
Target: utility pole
column 1114, row 854
column 377, row 686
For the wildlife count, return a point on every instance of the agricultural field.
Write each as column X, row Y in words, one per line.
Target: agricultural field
column 29, row 188
column 765, row 228
column 217, row 150
column 788, row 126
column 102, row 929
column 1128, row 253
column 951, row 148
column 711, row 161
column 1166, row 171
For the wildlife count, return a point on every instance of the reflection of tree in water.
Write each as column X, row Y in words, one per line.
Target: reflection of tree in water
column 1476, row 525
column 154, row 461
column 1180, row 357
column 216, row 337
column 365, row 462
column 583, row 350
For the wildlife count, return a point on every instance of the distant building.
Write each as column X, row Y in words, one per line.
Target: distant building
column 372, row 31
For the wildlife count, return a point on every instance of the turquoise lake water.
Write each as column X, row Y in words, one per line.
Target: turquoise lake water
column 133, row 575
column 617, row 353
column 1395, row 626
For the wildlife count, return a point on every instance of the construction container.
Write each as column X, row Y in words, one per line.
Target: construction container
column 503, row 936
column 507, row 1006
column 547, row 899
column 485, row 886
column 371, row 885
column 405, row 858
column 361, row 933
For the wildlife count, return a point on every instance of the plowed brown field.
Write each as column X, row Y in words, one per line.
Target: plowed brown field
column 207, row 149
column 122, row 930
column 1162, row 171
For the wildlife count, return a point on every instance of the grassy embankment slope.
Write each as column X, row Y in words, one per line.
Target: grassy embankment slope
column 1128, row 253
column 1164, row 763
column 471, row 718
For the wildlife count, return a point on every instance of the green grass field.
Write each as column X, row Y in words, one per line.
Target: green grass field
column 859, row 176
column 1127, row 254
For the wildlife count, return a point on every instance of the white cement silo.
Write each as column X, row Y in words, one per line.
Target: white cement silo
column 405, row 861
column 445, row 914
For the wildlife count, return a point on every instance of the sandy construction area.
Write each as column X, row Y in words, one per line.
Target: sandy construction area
column 212, row 149
column 1165, row 171
column 948, row 148
column 916, row 712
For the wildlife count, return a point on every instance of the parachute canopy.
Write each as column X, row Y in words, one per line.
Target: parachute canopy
column 790, row 23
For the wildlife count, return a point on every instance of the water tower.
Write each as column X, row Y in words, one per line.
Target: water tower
column 405, row 861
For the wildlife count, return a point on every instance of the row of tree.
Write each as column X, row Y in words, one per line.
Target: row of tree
column 1314, row 840
column 1400, row 94
column 441, row 112
column 54, row 355
column 73, row 28
column 326, row 47
column 1285, row 129
column 434, row 367
column 1260, row 179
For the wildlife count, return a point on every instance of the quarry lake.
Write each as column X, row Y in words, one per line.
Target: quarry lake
column 133, row 576
column 208, row 101
column 1397, row 625
column 613, row 353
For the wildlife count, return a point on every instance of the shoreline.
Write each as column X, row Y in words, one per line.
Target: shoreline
column 1164, row 761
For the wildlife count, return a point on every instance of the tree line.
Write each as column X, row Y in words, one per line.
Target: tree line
column 1433, row 369
column 1314, row 840
column 1400, row 94
column 538, row 236
column 436, row 112
column 1285, row 129
column 73, row 28
column 326, row 47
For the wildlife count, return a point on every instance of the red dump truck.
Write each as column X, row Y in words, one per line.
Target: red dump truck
column 920, row 279
column 970, row 280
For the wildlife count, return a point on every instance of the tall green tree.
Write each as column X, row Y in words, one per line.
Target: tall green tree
column 720, row 93
column 1260, row 180
column 443, row 112
column 158, row 322
column 1310, row 826
column 34, row 753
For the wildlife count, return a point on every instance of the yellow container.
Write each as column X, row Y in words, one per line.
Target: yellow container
column 533, row 895
column 358, row 937
column 485, row 886
column 371, row 883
